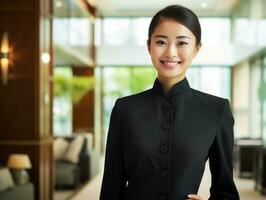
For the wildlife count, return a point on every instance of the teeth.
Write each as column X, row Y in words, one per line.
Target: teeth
column 171, row 62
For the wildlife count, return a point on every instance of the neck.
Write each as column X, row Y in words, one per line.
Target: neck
column 168, row 83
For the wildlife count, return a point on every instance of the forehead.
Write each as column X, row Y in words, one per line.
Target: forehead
column 170, row 27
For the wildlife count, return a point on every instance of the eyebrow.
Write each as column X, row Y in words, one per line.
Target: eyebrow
column 178, row 37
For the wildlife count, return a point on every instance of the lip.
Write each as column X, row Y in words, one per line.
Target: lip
column 170, row 64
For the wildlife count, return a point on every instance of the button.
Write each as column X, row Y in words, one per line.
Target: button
column 162, row 197
column 166, row 125
column 164, row 173
column 167, row 106
column 163, row 148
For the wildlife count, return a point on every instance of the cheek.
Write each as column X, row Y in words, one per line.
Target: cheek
column 155, row 51
column 186, row 53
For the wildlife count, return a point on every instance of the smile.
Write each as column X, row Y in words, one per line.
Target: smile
column 170, row 64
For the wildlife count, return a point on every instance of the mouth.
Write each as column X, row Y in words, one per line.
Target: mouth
column 170, row 64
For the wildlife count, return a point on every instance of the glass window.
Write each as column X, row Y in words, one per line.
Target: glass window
column 213, row 80
column 79, row 31
column 263, row 99
column 254, row 105
column 140, row 30
column 60, row 25
column 247, row 37
column 262, row 32
column 76, row 31
column 62, row 105
column 240, row 87
column 98, row 32
column 215, row 30
column 116, row 31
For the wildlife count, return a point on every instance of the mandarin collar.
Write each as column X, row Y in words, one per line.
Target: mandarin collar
column 178, row 88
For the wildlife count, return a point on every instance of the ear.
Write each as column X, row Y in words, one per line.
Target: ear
column 198, row 47
column 148, row 45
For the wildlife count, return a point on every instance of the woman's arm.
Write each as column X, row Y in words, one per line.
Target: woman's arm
column 221, row 158
column 114, row 182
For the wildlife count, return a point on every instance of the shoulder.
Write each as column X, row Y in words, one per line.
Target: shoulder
column 207, row 100
column 220, row 106
column 135, row 99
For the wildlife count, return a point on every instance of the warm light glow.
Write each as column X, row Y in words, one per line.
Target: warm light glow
column 45, row 58
column 4, row 58
column 4, row 44
column 19, row 161
column 58, row 4
column 204, row 4
column 4, row 69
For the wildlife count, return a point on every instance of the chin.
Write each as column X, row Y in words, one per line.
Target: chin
column 170, row 74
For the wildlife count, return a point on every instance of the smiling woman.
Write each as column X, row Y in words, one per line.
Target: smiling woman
column 159, row 139
column 172, row 47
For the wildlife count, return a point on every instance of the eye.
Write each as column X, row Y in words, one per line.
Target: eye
column 161, row 43
column 182, row 43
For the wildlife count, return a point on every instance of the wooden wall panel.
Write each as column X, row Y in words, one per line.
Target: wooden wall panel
column 21, row 39
column 16, row 108
column 46, row 171
column 83, row 114
column 83, row 111
column 18, row 3
column 25, row 102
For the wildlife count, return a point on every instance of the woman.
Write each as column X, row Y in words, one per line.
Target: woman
column 159, row 140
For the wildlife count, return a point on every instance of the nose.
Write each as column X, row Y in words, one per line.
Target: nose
column 171, row 51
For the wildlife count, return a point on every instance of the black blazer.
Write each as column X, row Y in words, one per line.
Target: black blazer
column 157, row 146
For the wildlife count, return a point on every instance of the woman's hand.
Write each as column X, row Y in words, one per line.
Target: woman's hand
column 194, row 197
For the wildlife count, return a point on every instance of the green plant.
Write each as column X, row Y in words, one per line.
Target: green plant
column 262, row 91
column 76, row 86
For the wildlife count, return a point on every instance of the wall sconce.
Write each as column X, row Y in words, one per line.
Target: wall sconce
column 4, row 58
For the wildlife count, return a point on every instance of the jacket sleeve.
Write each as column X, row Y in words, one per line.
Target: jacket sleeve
column 221, row 158
column 114, row 181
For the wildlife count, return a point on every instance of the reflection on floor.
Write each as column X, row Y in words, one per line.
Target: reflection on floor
column 245, row 186
column 63, row 194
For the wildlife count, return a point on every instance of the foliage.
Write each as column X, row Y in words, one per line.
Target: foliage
column 262, row 91
column 143, row 77
column 130, row 80
column 76, row 86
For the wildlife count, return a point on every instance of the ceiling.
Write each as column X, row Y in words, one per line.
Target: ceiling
column 70, row 8
column 112, row 8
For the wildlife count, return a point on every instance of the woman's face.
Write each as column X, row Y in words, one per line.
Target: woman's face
column 172, row 48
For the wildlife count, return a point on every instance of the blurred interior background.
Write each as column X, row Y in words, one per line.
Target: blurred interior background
column 65, row 62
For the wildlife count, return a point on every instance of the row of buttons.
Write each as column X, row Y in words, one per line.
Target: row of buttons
column 164, row 147
column 166, row 126
column 167, row 105
column 164, row 173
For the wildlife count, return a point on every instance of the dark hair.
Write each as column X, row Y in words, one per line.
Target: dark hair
column 180, row 14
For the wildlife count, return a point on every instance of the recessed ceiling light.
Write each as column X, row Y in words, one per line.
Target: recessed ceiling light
column 204, row 4
column 58, row 4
